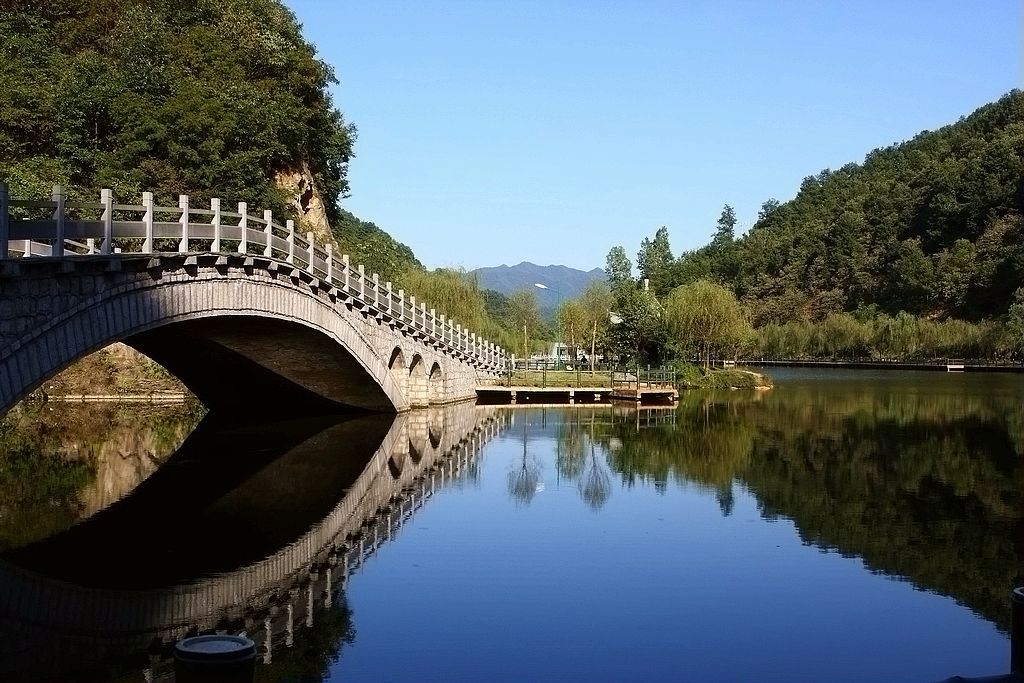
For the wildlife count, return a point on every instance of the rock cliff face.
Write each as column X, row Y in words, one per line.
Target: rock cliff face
column 307, row 201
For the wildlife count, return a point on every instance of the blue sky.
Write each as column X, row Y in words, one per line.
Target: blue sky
column 497, row 132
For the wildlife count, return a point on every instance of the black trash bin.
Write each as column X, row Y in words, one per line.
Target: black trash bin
column 215, row 659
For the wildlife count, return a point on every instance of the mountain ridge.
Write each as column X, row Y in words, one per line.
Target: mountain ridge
column 561, row 282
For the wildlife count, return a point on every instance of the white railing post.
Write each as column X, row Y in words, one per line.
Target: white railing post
column 90, row 245
column 330, row 262
column 243, row 227
column 147, row 220
column 412, row 311
column 312, row 252
column 183, row 205
column 433, row 323
column 472, row 344
column 5, row 220
column 347, row 271
column 215, row 207
column 458, row 337
column 27, row 249
column 268, row 233
column 387, row 287
column 290, row 224
column 440, row 319
column 376, row 291
column 362, row 282
column 423, row 316
column 58, row 215
column 401, row 304
column 107, row 200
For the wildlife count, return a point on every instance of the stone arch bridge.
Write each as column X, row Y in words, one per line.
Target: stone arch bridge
column 235, row 305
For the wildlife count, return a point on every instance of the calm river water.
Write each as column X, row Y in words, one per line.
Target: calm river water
column 844, row 526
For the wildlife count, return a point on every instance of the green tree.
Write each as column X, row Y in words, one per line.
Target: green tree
column 636, row 330
column 725, row 230
column 705, row 317
column 619, row 269
column 597, row 302
column 524, row 314
column 655, row 261
column 572, row 323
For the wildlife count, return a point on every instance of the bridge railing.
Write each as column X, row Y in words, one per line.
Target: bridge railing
column 60, row 227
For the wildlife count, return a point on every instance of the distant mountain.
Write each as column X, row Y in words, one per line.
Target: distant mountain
column 562, row 282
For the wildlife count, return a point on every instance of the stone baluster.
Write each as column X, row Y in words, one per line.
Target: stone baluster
column 90, row 245
column 268, row 233
column 243, row 227
column 376, row 291
column 183, row 205
column 362, row 282
column 387, row 287
column 412, row 313
column 423, row 316
column 215, row 221
column 433, row 323
column 147, row 219
column 401, row 304
column 5, row 220
column 330, row 262
column 346, row 272
column 58, row 216
column 107, row 200
column 290, row 225
column 312, row 253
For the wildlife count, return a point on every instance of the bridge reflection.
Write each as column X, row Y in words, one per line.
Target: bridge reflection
column 241, row 530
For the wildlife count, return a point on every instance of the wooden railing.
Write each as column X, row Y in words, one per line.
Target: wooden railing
column 59, row 227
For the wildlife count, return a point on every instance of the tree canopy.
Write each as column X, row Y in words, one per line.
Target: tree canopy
column 206, row 98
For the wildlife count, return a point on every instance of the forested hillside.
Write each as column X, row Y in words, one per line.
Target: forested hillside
column 206, row 98
column 932, row 226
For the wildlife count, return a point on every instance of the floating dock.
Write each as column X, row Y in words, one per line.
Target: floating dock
column 498, row 395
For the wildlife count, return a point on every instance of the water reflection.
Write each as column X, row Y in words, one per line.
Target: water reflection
column 922, row 476
column 251, row 528
column 60, row 463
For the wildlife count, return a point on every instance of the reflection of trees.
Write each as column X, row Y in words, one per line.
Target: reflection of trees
column 708, row 444
column 920, row 484
column 581, row 461
column 524, row 479
column 596, row 486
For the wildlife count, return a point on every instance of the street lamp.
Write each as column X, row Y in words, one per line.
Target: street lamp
column 558, row 302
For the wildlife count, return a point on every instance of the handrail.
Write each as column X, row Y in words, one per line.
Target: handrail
column 71, row 228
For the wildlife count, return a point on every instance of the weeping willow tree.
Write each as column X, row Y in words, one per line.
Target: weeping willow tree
column 524, row 479
column 458, row 296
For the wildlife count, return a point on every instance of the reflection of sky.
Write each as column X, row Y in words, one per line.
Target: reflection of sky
column 656, row 585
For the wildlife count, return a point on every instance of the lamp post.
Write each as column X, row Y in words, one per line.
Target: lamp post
column 558, row 303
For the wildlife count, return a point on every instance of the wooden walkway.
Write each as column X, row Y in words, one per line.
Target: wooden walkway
column 571, row 395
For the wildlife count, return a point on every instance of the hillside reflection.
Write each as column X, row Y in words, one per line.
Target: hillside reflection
column 61, row 463
column 923, row 484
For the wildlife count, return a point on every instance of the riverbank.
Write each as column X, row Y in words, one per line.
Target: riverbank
column 112, row 372
column 695, row 377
